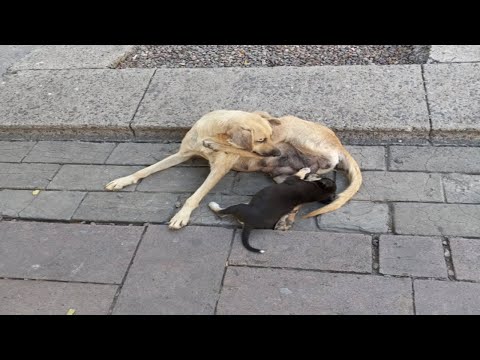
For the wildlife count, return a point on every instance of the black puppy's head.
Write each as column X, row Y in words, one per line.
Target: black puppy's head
column 328, row 188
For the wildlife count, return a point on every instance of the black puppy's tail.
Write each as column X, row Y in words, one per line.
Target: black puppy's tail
column 245, row 235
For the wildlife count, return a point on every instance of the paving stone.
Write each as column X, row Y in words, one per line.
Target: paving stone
column 454, row 100
column 455, row 53
column 176, row 272
column 341, row 97
column 26, row 176
column 54, row 298
column 435, row 159
column 305, row 250
column 368, row 157
column 53, row 205
column 70, row 252
column 14, row 151
column 412, row 256
column 73, row 57
column 60, row 104
column 363, row 216
column 275, row 291
column 181, row 179
column 437, row 219
column 465, row 255
column 90, row 177
column 435, row 297
column 462, row 188
column 14, row 201
column 126, row 207
column 398, row 186
column 70, row 152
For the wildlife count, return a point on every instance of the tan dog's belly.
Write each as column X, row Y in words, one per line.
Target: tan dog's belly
column 288, row 163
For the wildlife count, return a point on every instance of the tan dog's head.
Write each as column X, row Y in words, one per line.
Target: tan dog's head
column 255, row 135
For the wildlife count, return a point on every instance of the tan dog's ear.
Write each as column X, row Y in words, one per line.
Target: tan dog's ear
column 240, row 137
column 274, row 122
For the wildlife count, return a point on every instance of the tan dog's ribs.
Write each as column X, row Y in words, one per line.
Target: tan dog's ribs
column 216, row 145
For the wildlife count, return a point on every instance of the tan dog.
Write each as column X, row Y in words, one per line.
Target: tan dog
column 244, row 141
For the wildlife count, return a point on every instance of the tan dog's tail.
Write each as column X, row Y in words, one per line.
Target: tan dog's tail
column 355, row 178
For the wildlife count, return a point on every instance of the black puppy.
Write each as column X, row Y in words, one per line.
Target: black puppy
column 271, row 203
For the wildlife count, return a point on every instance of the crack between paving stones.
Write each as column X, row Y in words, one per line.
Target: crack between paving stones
column 120, row 287
column 428, row 104
column 224, row 272
column 139, row 103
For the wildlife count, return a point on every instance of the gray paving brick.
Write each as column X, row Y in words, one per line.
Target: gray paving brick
column 179, row 97
column 176, row 272
column 90, row 177
column 26, row 176
column 71, row 252
column 435, row 297
column 73, row 57
column 437, row 219
column 431, row 158
column 141, row 153
column 204, row 216
column 275, row 291
column 147, row 154
column 454, row 97
column 14, row 151
column 14, row 201
column 397, row 186
column 182, row 179
column 251, row 183
column 309, row 224
column 360, row 216
column 465, row 255
column 53, row 205
column 412, row 256
column 368, row 157
column 462, row 188
column 70, row 152
column 54, row 298
column 126, row 207
column 305, row 250
column 60, row 103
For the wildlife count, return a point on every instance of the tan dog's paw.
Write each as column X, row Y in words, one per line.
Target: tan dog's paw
column 313, row 177
column 179, row 220
column 209, row 144
column 303, row 172
column 284, row 224
column 120, row 183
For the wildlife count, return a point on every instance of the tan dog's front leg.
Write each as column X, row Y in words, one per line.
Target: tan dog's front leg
column 219, row 167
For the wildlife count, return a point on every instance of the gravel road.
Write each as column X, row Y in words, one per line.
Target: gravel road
column 161, row 56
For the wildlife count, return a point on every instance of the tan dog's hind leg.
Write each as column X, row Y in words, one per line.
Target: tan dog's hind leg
column 286, row 221
column 219, row 167
column 170, row 161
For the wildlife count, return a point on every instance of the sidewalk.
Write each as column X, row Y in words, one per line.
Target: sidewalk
column 408, row 243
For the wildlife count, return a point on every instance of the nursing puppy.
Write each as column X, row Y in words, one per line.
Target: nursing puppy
column 272, row 203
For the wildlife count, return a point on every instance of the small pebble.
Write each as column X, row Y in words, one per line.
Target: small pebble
column 447, row 253
column 375, row 266
column 451, row 273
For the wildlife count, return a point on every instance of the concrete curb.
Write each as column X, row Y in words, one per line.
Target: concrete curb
column 414, row 104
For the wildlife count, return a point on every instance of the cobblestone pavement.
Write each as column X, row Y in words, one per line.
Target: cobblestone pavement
column 408, row 243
